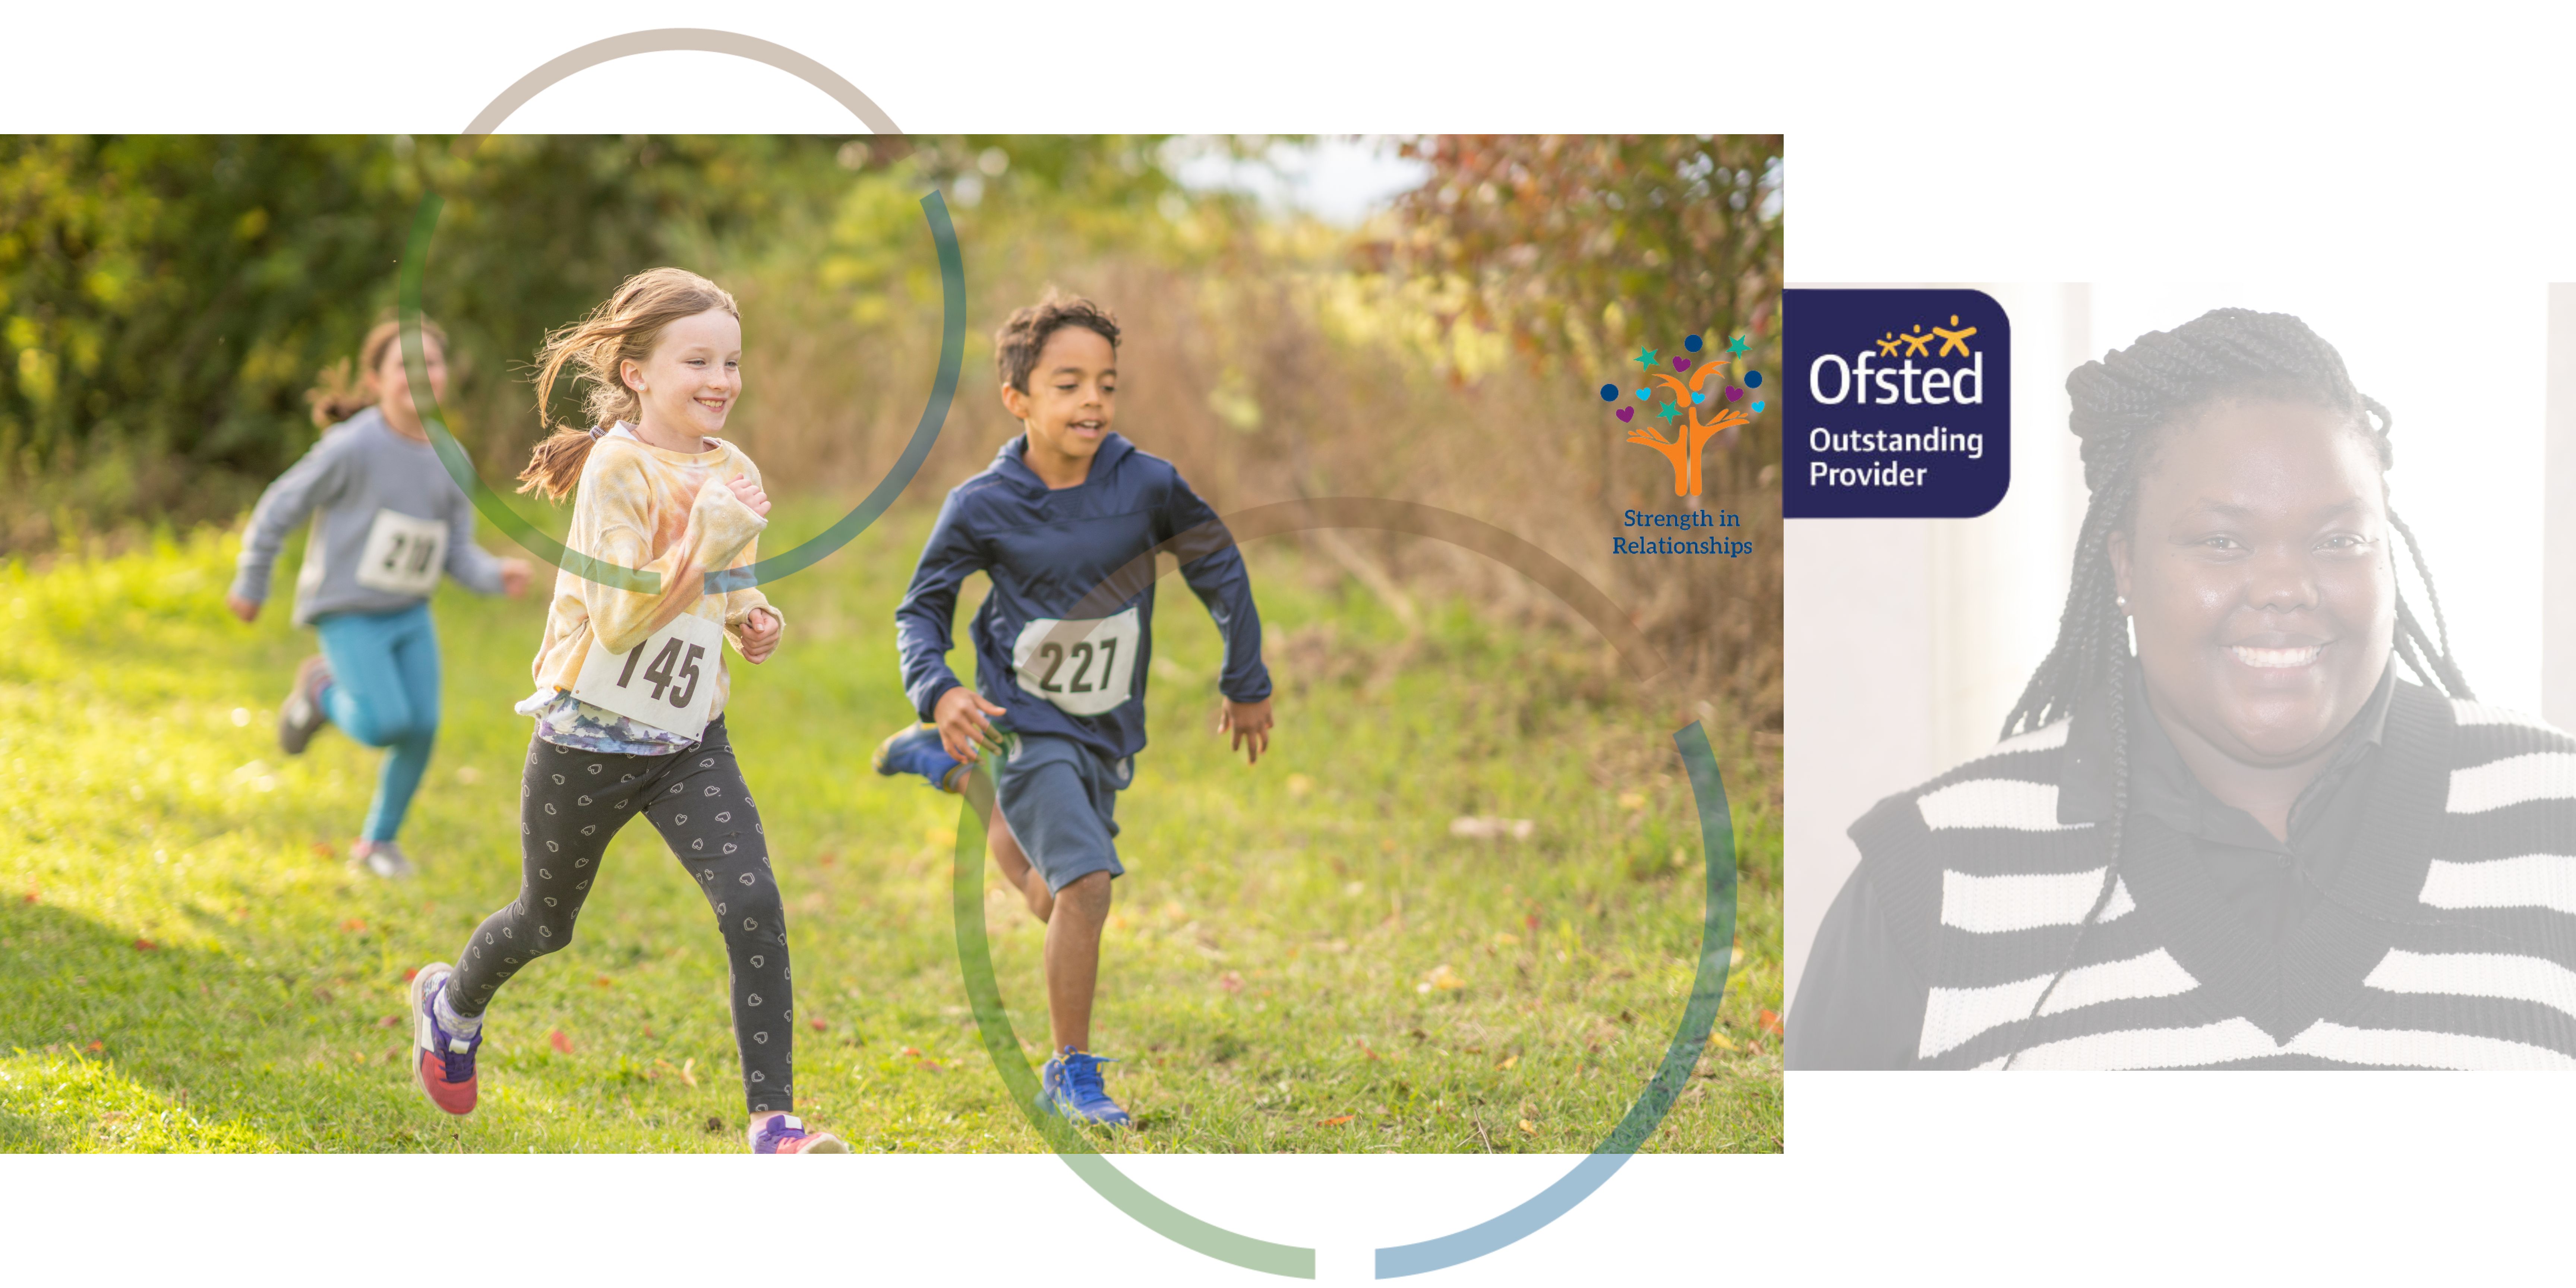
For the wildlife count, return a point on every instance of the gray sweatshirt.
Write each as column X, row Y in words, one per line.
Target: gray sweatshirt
column 386, row 522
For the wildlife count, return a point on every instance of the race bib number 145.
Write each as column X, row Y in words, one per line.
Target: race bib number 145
column 668, row 681
column 1085, row 667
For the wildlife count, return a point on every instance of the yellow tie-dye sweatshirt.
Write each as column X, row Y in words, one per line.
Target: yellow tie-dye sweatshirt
column 665, row 512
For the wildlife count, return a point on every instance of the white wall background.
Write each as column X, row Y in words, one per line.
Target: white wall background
column 1908, row 640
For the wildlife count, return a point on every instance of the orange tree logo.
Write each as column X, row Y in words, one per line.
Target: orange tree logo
column 1694, row 407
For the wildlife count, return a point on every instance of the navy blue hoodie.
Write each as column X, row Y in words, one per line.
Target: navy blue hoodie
column 1057, row 555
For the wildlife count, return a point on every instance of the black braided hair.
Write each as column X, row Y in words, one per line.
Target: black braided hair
column 2123, row 403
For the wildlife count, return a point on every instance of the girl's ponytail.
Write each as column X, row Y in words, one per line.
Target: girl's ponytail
column 622, row 329
column 556, row 464
column 341, row 390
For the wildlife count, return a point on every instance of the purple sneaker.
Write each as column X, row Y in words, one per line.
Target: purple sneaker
column 786, row 1134
column 441, row 1063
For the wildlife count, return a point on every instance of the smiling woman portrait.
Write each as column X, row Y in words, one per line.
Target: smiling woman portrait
column 2248, row 812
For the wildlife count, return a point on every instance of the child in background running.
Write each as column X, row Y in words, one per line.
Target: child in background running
column 387, row 521
column 1063, row 507
column 631, row 684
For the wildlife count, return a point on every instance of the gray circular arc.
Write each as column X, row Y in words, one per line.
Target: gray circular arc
column 1709, row 976
column 683, row 40
column 952, row 324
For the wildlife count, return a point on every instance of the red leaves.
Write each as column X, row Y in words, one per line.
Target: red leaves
column 144, row 945
column 559, row 1041
column 97, row 1046
column 820, row 1025
column 412, row 974
column 1769, row 1020
column 31, row 895
column 912, row 1051
column 602, row 982
column 1530, row 922
column 1231, row 981
column 390, row 1022
column 354, row 926
column 326, row 850
column 1336, row 1122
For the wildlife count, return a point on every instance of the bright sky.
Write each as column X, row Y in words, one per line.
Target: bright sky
column 1339, row 179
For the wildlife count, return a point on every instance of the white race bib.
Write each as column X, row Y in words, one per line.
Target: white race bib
column 1085, row 667
column 668, row 681
column 404, row 555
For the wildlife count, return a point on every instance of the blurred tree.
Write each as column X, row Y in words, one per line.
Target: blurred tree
column 1581, row 247
column 171, row 297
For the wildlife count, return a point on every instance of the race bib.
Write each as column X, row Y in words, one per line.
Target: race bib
column 1085, row 667
column 404, row 555
column 668, row 681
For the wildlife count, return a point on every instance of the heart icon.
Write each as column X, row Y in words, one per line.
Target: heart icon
column 1645, row 395
column 1699, row 397
column 1681, row 364
column 1627, row 413
column 1757, row 406
column 1733, row 393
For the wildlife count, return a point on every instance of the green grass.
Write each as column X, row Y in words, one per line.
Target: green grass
column 188, row 963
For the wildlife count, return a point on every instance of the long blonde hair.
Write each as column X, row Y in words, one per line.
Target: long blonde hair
column 623, row 328
column 341, row 390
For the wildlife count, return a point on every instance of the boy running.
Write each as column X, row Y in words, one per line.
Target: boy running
column 1061, row 509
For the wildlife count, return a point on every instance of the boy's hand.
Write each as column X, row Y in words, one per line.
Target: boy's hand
column 245, row 609
column 963, row 727
column 514, row 577
column 749, row 493
column 1250, row 722
column 760, row 630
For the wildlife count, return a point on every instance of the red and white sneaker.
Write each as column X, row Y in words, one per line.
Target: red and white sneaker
column 441, row 1063
column 786, row 1134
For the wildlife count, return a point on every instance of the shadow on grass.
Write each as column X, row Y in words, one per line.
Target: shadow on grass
column 119, row 1043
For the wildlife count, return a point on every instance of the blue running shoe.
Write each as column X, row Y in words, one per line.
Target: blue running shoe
column 917, row 750
column 1070, row 1086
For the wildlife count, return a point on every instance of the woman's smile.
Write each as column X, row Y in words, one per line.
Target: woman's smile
column 2257, row 579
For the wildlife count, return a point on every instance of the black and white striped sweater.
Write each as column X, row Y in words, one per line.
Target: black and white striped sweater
column 2447, row 939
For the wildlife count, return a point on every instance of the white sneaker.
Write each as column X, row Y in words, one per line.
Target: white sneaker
column 384, row 858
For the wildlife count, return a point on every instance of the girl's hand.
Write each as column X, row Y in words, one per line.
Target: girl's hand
column 514, row 577
column 245, row 609
column 1250, row 723
column 963, row 727
column 760, row 635
column 750, row 494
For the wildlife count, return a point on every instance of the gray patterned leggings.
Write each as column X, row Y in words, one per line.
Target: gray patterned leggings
column 570, row 803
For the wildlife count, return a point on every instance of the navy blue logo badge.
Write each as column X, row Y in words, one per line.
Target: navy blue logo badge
column 1898, row 404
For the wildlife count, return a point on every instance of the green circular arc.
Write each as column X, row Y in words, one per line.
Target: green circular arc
column 1644, row 1115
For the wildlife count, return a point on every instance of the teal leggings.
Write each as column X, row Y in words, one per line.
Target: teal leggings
column 384, row 693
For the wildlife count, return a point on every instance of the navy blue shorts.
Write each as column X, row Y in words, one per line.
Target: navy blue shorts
column 1061, row 800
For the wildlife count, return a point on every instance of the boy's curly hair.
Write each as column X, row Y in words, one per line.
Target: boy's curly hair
column 1017, row 344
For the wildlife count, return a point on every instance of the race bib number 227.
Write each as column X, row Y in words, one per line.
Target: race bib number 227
column 1086, row 667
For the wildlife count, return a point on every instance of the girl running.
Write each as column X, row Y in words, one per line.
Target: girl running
column 387, row 521
column 631, row 684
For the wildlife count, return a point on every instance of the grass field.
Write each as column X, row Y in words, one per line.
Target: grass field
column 1303, row 956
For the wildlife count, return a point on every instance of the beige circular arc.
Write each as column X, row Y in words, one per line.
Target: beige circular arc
column 691, row 40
